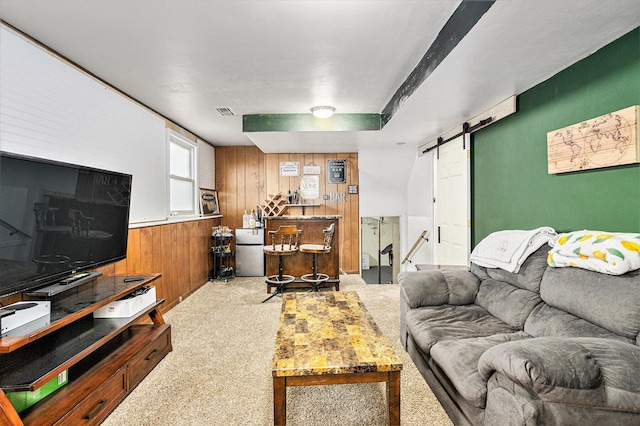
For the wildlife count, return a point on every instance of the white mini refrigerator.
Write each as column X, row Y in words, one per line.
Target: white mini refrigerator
column 249, row 253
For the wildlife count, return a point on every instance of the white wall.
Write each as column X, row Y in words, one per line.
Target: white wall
column 420, row 205
column 52, row 110
column 49, row 109
column 383, row 180
column 396, row 182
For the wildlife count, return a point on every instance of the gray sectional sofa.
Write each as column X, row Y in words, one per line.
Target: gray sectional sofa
column 544, row 346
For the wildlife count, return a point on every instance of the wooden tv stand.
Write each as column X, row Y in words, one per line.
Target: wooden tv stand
column 104, row 358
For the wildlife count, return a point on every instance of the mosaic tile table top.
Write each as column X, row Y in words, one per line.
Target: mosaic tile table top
column 329, row 333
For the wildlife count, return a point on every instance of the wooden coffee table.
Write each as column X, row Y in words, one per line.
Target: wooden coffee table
column 330, row 338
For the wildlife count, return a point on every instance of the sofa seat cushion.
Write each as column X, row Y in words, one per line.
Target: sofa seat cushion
column 459, row 360
column 434, row 324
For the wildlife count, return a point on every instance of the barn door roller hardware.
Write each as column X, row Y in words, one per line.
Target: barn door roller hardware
column 489, row 116
column 466, row 128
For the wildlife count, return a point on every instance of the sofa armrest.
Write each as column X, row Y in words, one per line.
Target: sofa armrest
column 432, row 288
column 578, row 371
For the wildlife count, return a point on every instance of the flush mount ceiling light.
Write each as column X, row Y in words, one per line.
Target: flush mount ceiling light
column 322, row 111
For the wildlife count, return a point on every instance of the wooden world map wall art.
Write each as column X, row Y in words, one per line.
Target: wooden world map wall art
column 605, row 141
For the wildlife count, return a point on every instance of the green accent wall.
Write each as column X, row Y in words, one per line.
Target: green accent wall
column 510, row 185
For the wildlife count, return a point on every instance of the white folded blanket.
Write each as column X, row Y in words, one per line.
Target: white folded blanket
column 509, row 249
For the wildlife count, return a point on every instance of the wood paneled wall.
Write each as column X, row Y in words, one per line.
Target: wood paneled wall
column 245, row 176
column 179, row 251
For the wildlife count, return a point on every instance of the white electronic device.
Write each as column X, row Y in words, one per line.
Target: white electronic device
column 130, row 305
column 21, row 313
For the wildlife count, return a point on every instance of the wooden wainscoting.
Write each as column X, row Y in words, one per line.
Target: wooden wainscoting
column 180, row 251
column 245, row 175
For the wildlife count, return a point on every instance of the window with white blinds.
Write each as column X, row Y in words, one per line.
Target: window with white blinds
column 206, row 165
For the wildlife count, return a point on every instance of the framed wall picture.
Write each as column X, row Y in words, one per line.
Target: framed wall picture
column 309, row 187
column 209, row 202
column 605, row 141
column 336, row 171
column 289, row 168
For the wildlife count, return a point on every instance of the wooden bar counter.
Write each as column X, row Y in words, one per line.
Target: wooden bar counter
column 300, row 263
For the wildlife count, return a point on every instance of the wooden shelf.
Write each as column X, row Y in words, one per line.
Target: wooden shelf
column 74, row 304
column 105, row 357
column 34, row 365
column 118, row 360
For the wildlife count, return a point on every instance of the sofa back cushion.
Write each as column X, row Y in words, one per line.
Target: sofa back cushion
column 547, row 321
column 479, row 271
column 507, row 302
column 609, row 301
column 530, row 273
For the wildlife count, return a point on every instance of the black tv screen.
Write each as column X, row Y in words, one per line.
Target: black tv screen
column 57, row 219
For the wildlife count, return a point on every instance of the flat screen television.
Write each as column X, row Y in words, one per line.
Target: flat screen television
column 57, row 219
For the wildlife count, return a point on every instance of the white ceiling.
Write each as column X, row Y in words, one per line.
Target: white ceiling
column 186, row 58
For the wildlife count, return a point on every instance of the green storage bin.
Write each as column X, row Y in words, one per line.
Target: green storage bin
column 23, row 400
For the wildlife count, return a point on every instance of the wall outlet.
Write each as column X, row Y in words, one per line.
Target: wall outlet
column 179, row 299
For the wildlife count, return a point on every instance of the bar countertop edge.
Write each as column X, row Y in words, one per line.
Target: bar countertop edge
column 300, row 217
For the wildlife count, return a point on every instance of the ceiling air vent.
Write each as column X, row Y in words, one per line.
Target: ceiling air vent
column 225, row 112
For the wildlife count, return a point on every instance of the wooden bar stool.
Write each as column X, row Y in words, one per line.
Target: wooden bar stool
column 284, row 242
column 315, row 278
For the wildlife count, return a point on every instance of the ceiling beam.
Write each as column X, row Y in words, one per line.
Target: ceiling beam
column 459, row 24
column 309, row 123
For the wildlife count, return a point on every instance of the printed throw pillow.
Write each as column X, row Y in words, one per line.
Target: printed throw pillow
column 606, row 252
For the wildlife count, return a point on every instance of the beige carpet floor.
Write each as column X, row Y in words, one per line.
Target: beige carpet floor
column 219, row 372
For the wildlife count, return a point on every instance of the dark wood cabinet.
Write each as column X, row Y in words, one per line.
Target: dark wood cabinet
column 149, row 357
column 105, row 358
column 96, row 406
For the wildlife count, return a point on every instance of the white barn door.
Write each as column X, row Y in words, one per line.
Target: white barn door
column 452, row 202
